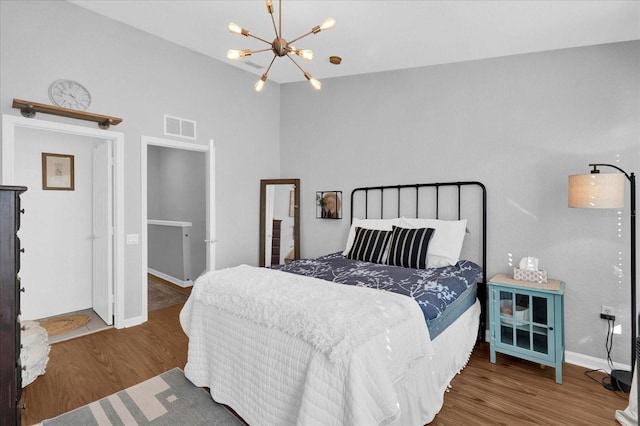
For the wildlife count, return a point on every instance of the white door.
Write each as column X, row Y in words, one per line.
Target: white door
column 103, row 231
column 211, row 212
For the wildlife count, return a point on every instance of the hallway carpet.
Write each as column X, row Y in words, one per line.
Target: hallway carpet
column 161, row 295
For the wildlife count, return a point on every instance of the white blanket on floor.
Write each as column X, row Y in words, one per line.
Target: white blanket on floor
column 285, row 349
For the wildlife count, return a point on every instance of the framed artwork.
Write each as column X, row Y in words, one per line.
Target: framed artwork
column 329, row 204
column 57, row 172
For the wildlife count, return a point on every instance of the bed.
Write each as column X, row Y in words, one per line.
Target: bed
column 372, row 334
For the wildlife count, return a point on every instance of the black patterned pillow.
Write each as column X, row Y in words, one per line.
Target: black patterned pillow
column 369, row 245
column 408, row 247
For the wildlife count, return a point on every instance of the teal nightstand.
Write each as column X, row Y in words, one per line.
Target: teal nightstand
column 527, row 320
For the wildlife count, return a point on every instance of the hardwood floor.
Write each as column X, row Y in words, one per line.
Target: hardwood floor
column 517, row 392
column 510, row 392
column 88, row 368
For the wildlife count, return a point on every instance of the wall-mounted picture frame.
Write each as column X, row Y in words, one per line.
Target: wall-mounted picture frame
column 329, row 204
column 57, row 172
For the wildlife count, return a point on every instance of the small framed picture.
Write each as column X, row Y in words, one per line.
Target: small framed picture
column 329, row 204
column 57, row 172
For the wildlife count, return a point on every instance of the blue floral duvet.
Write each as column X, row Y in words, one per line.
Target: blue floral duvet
column 435, row 289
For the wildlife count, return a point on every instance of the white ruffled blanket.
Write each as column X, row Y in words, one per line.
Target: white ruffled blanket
column 334, row 318
column 361, row 342
column 34, row 354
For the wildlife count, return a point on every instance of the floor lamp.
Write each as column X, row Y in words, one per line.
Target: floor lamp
column 606, row 191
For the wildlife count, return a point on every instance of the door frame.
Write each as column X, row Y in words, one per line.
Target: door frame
column 9, row 125
column 210, row 203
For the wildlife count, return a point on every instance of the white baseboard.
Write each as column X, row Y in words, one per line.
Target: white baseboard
column 592, row 363
column 172, row 280
column 132, row 322
column 581, row 360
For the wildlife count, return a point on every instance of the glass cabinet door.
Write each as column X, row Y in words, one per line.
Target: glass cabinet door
column 525, row 321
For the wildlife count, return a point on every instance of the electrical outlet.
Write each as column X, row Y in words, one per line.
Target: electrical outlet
column 606, row 312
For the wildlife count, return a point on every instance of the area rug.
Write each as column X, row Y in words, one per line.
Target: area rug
column 167, row 399
column 162, row 296
column 65, row 324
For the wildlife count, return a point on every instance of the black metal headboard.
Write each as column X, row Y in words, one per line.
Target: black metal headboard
column 445, row 200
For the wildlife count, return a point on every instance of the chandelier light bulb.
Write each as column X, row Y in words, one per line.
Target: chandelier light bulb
column 328, row 24
column 234, row 55
column 269, row 6
column 234, row 28
column 314, row 83
column 237, row 29
column 306, row 54
column 260, row 83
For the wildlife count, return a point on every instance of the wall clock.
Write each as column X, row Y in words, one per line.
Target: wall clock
column 69, row 94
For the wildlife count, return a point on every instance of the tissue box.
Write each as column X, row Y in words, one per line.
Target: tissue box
column 526, row 275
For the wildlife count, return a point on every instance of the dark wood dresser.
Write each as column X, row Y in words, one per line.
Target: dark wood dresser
column 10, row 368
column 275, row 242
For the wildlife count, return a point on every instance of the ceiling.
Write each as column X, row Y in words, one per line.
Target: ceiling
column 373, row 36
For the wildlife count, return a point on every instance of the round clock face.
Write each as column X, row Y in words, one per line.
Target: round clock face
column 69, row 94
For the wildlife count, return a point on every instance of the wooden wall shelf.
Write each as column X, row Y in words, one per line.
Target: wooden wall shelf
column 29, row 109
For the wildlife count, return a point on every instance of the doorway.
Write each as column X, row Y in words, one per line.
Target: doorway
column 70, row 214
column 184, row 237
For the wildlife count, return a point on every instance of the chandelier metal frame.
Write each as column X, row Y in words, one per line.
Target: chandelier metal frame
column 279, row 46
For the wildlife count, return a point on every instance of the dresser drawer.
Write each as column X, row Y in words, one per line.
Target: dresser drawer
column 10, row 286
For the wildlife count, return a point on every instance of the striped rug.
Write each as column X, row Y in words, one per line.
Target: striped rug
column 167, row 399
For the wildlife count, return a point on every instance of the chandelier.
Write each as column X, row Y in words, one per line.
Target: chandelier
column 279, row 46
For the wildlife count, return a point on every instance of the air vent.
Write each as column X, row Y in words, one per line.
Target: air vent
column 253, row 64
column 175, row 126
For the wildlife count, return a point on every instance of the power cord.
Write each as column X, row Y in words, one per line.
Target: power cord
column 606, row 380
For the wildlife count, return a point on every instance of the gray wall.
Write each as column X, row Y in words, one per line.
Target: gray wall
column 140, row 78
column 521, row 125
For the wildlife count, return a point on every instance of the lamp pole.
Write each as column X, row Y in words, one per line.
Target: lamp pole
column 632, row 180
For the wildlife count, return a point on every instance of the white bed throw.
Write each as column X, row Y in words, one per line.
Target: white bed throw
column 287, row 349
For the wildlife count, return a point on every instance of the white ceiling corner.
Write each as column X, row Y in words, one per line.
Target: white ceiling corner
column 381, row 35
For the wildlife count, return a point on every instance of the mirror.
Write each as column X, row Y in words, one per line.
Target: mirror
column 279, row 221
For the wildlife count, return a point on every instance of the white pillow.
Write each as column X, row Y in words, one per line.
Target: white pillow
column 379, row 224
column 446, row 244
